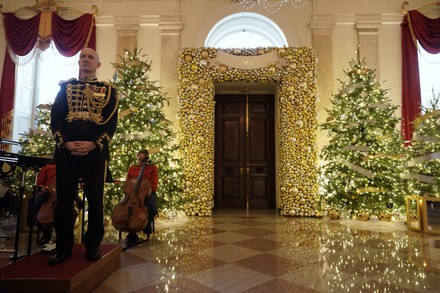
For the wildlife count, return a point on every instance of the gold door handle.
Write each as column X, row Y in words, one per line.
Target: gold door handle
column 241, row 171
column 247, row 170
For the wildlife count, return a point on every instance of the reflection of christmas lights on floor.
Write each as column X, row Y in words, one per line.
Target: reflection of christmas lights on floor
column 317, row 254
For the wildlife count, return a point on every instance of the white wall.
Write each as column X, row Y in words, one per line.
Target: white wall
column 199, row 16
column 390, row 58
column 199, row 19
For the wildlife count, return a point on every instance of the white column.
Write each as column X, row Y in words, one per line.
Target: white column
column 126, row 32
column 170, row 45
column 322, row 27
column 368, row 40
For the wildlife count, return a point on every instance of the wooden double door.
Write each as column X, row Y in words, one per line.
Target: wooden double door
column 244, row 151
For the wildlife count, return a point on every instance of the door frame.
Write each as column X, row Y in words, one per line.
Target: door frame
column 259, row 88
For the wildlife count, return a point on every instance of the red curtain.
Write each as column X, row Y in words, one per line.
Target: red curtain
column 69, row 36
column 415, row 27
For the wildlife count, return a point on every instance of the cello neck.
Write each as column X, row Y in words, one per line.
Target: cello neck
column 139, row 179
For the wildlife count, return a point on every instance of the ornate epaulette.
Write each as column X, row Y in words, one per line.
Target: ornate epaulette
column 109, row 84
column 66, row 81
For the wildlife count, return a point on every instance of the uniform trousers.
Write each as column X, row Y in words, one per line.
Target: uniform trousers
column 92, row 174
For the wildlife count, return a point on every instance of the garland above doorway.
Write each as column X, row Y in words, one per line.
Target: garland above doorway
column 295, row 71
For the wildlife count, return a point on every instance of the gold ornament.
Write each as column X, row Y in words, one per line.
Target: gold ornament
column 333, row 215
column 362, row 216
column 385, row 216
column 204, row 54
column 195, row 92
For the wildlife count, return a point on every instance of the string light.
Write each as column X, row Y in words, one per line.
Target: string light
column 271, row 6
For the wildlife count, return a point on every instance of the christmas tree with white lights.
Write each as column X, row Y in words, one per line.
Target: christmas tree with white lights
column 365, row 153
column 142, row 125
column 424, row 165
column 38, row 142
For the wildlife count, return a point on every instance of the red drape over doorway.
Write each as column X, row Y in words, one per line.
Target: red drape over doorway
column 415, row 27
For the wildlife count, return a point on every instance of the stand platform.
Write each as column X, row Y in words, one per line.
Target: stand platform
column 75, row 275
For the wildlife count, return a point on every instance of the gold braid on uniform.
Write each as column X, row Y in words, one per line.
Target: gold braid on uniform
column 96, row 101
column 58, row 138
column 104, row 136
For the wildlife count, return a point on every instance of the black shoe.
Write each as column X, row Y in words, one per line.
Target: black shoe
column 147, row 232
column 59, row 257
column 93, row 254
column 43, row 240
column 127, row 243
column 149, row 228
column 131, row 240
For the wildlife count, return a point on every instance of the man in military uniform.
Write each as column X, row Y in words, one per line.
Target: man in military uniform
column 83, row 120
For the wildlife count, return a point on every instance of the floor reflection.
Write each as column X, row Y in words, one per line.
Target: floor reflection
column 260, row 251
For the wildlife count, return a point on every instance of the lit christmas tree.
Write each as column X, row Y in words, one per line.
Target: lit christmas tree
column 424, row 165
column 39, row 142
column 142, row 125
column 36, row 142
column 364, row 156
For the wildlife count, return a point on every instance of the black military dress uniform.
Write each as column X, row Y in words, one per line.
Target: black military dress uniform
column 84, row 110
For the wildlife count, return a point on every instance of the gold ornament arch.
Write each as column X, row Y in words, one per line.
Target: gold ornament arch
column 294, row 69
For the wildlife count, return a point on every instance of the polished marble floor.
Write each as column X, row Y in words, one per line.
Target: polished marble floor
column 261, row 251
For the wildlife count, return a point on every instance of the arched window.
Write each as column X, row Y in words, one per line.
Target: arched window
column 429, row 66
column 37, row 82
column 245, row 30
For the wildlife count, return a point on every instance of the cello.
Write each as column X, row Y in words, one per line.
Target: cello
column 131, row 214
column 45, row 215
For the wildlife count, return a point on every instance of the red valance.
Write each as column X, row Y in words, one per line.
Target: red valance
column 22, row 36
column 70, row 36
column 415, row 27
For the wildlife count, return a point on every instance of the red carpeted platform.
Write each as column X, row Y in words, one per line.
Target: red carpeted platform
column 76, row 274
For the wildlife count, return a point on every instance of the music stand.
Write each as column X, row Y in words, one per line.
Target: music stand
column 26, row 163
column 8, row 161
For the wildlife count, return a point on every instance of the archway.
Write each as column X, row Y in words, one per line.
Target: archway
column 245, row 30
column 294, row 70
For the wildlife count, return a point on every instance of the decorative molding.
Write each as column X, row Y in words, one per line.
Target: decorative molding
column 384, row 18
column 126, row 26
column 368, row 23
column 322, row 24
column 126, row 31
column 143, row 20
column 170, row 28
column 170, row 24
column 391, row 18
column 368, row 27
